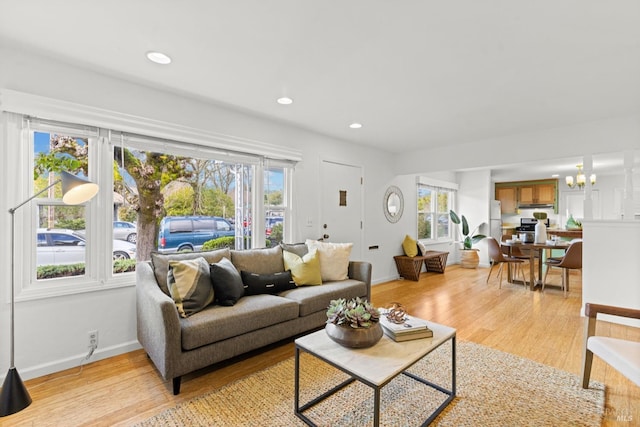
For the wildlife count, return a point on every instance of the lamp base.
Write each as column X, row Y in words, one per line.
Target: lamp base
column 14, row 396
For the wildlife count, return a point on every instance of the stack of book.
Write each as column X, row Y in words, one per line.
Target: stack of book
column 411, row 329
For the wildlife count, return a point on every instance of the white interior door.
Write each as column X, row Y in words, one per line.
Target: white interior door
column 341, row 217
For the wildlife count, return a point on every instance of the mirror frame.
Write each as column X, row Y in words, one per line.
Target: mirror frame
column 391, row 191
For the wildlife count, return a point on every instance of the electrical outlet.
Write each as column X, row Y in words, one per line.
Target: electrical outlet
column 93, row 339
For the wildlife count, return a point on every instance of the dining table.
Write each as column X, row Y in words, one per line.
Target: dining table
column 534, row 249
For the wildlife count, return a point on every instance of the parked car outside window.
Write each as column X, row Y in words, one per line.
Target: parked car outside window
column 188, row 233
column 68, row 247
column 123, row 230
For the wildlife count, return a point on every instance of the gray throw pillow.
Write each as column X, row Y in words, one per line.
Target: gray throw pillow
column 227, row 283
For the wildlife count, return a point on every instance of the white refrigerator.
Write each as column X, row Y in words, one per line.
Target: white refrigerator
column 495, row 220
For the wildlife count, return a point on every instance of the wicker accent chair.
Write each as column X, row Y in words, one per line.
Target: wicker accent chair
column 622, row 355
column 498, row 257
column 572, row 260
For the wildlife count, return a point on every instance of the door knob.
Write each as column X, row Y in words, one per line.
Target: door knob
column 325, row 236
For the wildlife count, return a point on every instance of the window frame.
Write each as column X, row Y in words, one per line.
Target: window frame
column 18, row 107
column 436, row 187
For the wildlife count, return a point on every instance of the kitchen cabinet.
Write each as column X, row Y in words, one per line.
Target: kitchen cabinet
column 519, row 194
column 508, row 197
column 539, row 194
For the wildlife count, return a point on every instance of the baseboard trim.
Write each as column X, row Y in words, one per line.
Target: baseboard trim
column 76, row 360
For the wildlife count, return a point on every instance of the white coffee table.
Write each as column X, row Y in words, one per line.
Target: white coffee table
column 375, row 366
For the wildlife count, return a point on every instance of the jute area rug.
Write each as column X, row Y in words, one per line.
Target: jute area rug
column 493, row 389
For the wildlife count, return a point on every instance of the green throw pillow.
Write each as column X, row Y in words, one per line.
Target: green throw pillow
column 410, row 246
column 190, row 285
column 304, row 270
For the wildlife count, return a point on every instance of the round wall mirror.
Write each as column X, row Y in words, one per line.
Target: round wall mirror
column 393, row 204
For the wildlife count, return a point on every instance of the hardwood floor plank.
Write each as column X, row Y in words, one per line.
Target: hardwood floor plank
column 545, row 327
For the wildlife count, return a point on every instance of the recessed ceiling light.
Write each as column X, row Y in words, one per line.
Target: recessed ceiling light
column 555, row 175
column 355, row 125
column 285, row 100
column 158, row 58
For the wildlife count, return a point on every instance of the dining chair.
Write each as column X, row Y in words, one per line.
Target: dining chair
column 622, row 355
column 572, row 260
column 498, row 257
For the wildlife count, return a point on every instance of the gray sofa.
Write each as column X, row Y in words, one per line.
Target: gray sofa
column 178, row 346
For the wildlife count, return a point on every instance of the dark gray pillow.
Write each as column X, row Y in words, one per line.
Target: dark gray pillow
column 255, row 283
column 226, row 281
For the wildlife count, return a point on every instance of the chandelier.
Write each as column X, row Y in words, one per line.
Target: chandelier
column 580, row 179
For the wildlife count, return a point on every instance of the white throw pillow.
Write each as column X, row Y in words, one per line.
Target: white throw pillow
column 334, row 259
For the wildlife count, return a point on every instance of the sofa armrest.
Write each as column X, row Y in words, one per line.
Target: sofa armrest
column 360, row 270
column 158, row 325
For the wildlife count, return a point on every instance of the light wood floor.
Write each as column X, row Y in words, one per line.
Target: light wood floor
column 543, row 327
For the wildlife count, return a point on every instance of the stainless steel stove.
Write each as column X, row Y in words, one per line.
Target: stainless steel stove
column 527, row 229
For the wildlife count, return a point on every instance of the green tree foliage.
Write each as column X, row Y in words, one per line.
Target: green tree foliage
column 217, row 203
column 273, row 198
column 127, row 213
column 276, row 233
column 179, row 202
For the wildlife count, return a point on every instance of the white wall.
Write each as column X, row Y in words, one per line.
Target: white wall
column 610, row 267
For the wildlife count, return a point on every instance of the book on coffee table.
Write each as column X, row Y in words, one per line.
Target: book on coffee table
column 411, row 329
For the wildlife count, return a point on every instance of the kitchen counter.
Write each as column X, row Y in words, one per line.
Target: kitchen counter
column 560, row 232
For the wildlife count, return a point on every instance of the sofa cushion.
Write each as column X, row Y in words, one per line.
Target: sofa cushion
column 216, row 323
column 334, row 259
column 190, row 285
column 261, row 261
column 305, row 270
column 300, row 249
column 160, row 263
column 255, row 284
column 226, row 281
column 317, row 298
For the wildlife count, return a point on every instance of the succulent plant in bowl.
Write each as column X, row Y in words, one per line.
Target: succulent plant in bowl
column 356, row 313
column 353, row 323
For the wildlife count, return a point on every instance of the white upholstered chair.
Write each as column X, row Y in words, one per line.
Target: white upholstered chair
column 623, row 355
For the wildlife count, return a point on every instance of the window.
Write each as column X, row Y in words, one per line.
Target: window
column 198, row 172
column 275, row 204
column 434, row 203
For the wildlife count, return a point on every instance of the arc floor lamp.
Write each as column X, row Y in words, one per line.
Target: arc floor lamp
column 14, row 396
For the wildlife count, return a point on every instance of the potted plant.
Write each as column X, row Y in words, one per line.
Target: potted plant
column 469, row 256
column 353, row 323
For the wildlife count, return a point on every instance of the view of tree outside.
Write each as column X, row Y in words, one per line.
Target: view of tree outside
column 150, row 185
column 274, row 204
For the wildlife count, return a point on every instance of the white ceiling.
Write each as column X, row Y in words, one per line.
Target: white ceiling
column 415, row 73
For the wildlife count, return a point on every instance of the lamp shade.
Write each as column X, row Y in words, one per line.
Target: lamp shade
column 76, row 190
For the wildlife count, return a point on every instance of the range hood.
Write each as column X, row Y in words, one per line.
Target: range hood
column 535, row 205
